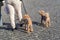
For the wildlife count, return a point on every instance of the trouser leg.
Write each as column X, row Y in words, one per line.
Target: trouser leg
column 12, row 15
column 0, row 20
column 18, row 10
column 0, row 13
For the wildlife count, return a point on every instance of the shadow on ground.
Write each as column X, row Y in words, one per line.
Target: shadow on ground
column 37, row 23
column 18, row 26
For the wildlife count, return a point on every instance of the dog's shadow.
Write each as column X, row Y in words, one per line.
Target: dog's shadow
column 37, row 23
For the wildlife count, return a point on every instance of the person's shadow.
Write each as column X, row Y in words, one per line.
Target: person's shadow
column 18, row 26
column 6, row 28
column 9, row 27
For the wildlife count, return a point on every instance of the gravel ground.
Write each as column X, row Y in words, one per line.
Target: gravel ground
column 40, row 32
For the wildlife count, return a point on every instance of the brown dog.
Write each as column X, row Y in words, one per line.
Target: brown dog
column 28, row 23
column 45, row 19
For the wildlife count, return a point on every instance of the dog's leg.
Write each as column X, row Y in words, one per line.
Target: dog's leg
column 46, row 24
column 49, row 23
column 31, row 28
column 41, row 20
column 28, row 29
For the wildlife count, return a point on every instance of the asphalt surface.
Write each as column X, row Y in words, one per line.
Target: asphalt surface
column 40, row 32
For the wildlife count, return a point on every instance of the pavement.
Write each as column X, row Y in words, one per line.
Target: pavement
column 40, row 32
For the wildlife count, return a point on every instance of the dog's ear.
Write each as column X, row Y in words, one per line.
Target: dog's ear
column 42, row 11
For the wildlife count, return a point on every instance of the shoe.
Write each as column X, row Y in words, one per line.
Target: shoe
column 15, row 28
column 12, row 29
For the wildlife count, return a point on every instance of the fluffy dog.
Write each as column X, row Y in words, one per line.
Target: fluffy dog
column 45, row 19
column 28, row 23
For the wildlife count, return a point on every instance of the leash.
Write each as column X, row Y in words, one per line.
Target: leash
column 24, row 7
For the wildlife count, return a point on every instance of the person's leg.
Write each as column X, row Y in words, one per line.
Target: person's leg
column 0, row 20
column 18, row 10
column 12, row 15
column 1, row 4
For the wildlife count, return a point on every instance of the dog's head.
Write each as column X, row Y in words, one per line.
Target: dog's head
column 24, row 22
column 26, row 15
column 25, row 19
column 41, row 12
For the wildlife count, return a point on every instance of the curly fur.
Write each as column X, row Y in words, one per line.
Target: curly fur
column 28, row 23
column 45, row 18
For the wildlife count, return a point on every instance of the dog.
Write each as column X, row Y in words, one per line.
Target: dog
column 26, row 20
column 45, row 18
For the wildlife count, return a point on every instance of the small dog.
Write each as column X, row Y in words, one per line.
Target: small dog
column 45, row 19
column 26, row 20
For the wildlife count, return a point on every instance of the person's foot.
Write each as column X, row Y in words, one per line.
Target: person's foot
column 12, row 29
column 16, row 28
